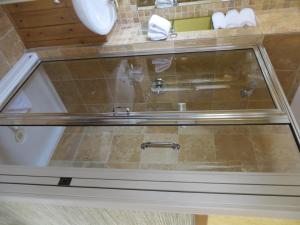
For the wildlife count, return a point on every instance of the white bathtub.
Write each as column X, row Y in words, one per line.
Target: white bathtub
column 32, row 146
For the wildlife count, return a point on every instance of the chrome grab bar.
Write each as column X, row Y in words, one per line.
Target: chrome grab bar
column 174, row 146
column 116, row 110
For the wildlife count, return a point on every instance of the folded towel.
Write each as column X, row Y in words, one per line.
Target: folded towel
column 248, row 17
column 233, row 19
column 159, row 23
column 156, row 37
column 20, row 104
column 218, row 19
column 164, row 3
column 158, row 28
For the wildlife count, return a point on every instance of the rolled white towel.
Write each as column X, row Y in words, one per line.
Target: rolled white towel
column 218, row 19
column 164, row 3
column 233, row 19
column 248, row 17
column 158, row 28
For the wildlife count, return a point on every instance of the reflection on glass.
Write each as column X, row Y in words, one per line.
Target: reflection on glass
column 223, row 80
column 256, row 148
column 290, row 82
column 39, row 95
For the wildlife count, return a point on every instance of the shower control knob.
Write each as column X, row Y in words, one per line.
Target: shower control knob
column 159, row 83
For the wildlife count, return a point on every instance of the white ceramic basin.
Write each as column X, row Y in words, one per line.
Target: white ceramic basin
column 97, row 15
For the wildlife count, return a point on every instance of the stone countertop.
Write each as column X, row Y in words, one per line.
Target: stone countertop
column 279, row 20
column 129, row 37
column 269, row 22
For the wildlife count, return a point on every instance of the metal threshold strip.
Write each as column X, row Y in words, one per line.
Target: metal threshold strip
column 251, row 187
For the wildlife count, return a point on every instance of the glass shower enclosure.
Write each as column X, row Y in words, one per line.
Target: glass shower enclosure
column 187, row 117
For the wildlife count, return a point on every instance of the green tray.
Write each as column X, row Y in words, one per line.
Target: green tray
column 192, row 24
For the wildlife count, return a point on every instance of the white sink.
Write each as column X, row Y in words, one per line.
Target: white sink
column 97, row 15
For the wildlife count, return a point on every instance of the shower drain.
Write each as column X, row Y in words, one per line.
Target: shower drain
column 20, row 136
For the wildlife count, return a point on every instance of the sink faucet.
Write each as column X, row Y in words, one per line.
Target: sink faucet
column 165, row 3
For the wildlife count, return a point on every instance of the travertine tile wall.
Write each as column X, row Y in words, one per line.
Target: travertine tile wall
column 283, row 51
column 11, row 46
column 128, row 37
column 128, row 13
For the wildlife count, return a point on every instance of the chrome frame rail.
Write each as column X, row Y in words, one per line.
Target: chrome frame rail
column 157, row 52
column 15, row 81
column 138, row 119
column 276, row 115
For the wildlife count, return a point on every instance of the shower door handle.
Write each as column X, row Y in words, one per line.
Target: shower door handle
column 174, row 146
column 121, row 110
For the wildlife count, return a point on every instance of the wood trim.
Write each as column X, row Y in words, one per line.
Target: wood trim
column 36, row 6
column 72, row 41
column 49, row 17
column 48, row 33
column 43, row 23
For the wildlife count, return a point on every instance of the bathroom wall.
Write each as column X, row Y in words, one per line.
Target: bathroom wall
column 283, row 51
column 128, row 13
column 11, row 46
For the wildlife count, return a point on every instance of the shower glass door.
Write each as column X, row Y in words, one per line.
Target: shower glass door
column 213, row 148
column 183, row 82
